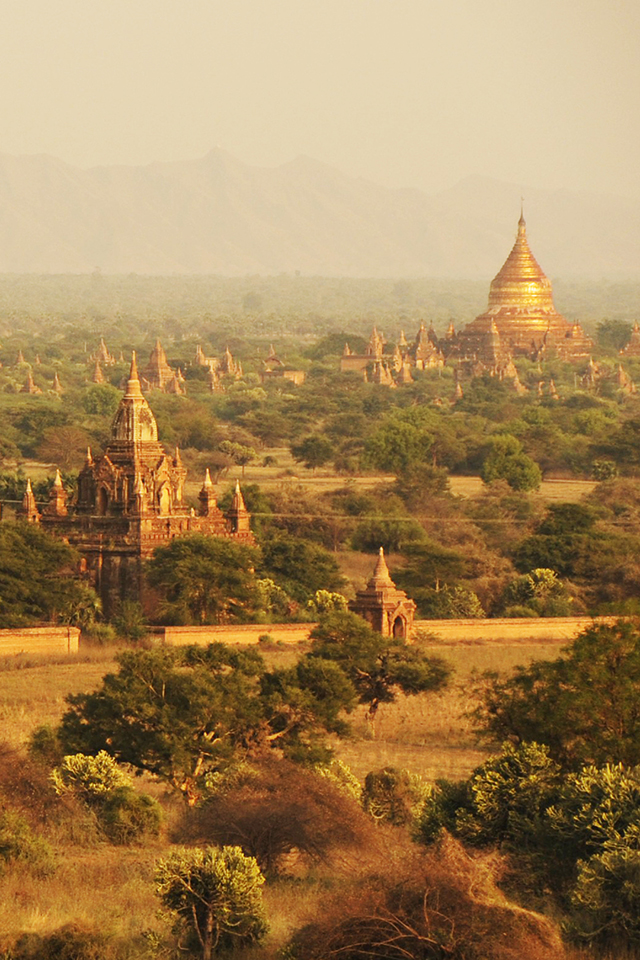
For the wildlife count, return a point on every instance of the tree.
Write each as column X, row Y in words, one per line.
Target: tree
column 64, row 446
column 560, row 541
column 378, row 667
column 183, row 713
column 300, row 566
column 37, row 581
column 216, row 895
column 240, row 453
column 398, row 445
column 585, row 706
column 204, row 580
column 314, row 451
column 613, row 334
column 506, row 461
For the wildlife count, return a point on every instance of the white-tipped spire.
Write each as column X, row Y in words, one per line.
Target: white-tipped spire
column 133, row 383
column 381, row 573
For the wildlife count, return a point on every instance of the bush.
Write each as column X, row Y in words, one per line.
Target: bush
column 124, row 816
column 216, row 895
column 44, row 746
column 71, row 942
column 275, row 808
column 18, row 844
column 446, row 904
column 394, row 795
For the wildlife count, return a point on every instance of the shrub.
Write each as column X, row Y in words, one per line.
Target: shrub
column 123, row 815
column 70, row 942
column 394, row 795
column 18, row 844
column 89, row 776
column 44, row 746
column 446, row 904
column 216, row 895
column 126, row 816
column 275, row 808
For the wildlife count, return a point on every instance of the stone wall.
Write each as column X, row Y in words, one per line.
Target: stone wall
column 509, row 630
column 552, row 629
column 39, row 640
column 244, row 633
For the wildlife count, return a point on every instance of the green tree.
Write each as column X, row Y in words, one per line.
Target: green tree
column 300, row 566
column 507, row 461
column 314, row 451
column 240, row 453
column 181, row 714
column 204, row 579
column 398, row 445
column 585, row 706
column 216, row 895
column 613, row 334
column 37, row 581
column 378, row 667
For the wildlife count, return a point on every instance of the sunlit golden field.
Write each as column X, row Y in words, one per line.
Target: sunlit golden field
column 111, row 888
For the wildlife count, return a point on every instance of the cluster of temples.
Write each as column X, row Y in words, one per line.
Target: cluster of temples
column 520, row 321
column 131, row 500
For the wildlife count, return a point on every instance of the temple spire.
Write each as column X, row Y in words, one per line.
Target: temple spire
column 238, row 515
column 134, row 421
column 29, row 509
column 133, row 383
column 381, row 573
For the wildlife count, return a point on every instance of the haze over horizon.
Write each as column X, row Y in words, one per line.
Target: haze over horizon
column 403, row 93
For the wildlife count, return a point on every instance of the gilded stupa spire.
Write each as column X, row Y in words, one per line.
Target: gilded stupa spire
column 521, row 283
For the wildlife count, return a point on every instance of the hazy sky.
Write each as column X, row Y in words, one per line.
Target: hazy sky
column 402, row 92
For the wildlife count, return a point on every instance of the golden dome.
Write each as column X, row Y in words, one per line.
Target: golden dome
column 521, row 282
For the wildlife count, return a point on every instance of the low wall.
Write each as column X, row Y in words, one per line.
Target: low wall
column 39, row 640
column 500, row 630
column 503, row 630
column 244, row 633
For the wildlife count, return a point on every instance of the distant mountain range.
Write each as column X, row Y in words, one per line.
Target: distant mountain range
column 218, row 215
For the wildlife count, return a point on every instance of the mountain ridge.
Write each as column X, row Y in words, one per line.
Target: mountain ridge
column 218, row 215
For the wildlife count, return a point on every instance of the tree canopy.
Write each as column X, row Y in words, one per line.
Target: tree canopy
column 38, row 581
column 585, row 706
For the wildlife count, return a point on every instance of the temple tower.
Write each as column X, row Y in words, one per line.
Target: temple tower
column 130, row 501
column 385, row 608
column 521, row 307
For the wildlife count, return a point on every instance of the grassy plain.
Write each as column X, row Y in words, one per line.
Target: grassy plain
column 111, row 889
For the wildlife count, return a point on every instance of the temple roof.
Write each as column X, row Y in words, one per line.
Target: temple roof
column 134, row 422
column 521, row 281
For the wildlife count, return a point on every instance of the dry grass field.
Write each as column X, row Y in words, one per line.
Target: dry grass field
column 111, row 888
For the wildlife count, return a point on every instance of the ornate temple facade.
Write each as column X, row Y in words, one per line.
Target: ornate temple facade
column 130, row 500
column 384, row 607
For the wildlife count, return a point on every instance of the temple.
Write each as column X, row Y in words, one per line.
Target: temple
column 522, row 313
column 130, row 500
column 384, row 607
column 520, row 321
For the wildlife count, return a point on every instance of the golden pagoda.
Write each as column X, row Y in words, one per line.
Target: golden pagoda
column 522, row 310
